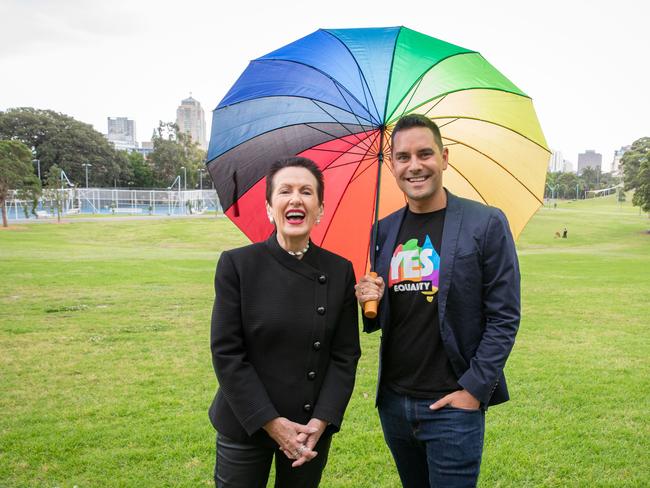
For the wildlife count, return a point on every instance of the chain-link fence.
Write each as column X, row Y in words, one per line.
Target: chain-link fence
column 116, row 201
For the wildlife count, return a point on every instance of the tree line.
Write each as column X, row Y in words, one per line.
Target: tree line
column 58, row 139
column 635, row 165
column 43, row 143
column 31, row 138
column 572, row 186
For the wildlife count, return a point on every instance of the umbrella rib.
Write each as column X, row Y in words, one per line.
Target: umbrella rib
column 390, row 77
column 498, row 164
column 339, row 202
column 355, row 116
column 336, row 151
column 359, row 161
column 364, row 154
column 364, row 159
column 457, row 118
column 315, row 102
column 412, row 95
column 434, row 105
column 468, row 182
column 336, row 83
column 363, row 87
column 330, row 165
column 425, row 72
column 337, row 137
column 362, row 172
column 469, row 88
column 447, row 123
column 218, row 109
column 268, row 132
column 360, row 71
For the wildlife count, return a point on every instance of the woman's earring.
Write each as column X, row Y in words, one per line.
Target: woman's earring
column 270, row 218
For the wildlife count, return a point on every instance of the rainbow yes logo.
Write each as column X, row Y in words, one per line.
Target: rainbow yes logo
column 415, row 268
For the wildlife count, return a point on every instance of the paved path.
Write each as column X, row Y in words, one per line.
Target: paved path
column 112, row 218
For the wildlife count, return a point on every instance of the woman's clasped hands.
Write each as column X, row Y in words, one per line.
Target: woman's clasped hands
column 296, row 441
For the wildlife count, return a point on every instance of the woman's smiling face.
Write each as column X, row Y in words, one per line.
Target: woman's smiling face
column 294, row 203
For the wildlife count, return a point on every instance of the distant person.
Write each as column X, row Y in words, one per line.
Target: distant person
column 449, row 312
column 565, row 233
column 284, row 340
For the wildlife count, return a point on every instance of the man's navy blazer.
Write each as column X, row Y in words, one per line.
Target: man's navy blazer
column 478, row 294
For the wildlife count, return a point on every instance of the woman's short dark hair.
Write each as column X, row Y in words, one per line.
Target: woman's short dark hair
column 417, row 120
column 299, row 162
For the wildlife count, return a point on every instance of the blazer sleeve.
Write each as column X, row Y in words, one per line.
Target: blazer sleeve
column 345, row 350
column 238, row 380
column 501, row 309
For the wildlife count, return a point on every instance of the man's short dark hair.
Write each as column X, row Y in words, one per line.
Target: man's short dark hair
column 417, row 120
column 299, row 162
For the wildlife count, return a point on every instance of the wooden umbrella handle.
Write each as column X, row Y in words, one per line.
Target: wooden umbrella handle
column 370, row 307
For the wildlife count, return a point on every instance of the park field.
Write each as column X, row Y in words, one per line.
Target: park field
column 106, row 377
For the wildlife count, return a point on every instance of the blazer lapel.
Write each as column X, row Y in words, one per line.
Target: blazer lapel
column 450, row 233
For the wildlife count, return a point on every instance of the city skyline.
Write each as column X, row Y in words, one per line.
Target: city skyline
column 581, row 69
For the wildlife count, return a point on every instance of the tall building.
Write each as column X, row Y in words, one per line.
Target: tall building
column 121, row 132
column 616, row 162
column 190, row 119
column 567, row 166
column 589, row 159
column 555, row 162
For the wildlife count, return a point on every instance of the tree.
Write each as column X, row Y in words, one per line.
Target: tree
column 141, row 172
column 53, row 193
column 15, row 169
column 30, row 194
column 590, row 177
column 636, row 172
column 567, row 184
column 58, row 139
column 173, row 150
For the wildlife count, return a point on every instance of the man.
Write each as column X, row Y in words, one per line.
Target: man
column 449, row 319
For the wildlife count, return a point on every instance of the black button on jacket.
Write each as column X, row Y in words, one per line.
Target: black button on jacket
column 265, row 323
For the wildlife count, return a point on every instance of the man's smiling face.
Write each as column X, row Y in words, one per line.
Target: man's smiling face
column 418, row 163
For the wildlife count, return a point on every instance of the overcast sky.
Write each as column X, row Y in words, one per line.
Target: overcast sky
column 586, row 64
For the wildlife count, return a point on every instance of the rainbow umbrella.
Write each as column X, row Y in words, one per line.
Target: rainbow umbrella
column 334, row 97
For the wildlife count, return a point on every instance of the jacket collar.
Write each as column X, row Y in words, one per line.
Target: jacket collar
column 308, row 266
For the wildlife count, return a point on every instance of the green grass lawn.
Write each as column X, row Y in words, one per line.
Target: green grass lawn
column 105, row 371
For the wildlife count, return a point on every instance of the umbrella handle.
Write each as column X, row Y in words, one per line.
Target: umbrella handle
column 370, row 307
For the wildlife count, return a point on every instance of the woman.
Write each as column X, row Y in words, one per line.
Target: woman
column 285, row 342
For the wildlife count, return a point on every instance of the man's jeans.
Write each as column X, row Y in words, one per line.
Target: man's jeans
column 432, row 448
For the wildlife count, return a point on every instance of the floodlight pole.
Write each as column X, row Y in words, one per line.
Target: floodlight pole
column 86, row 165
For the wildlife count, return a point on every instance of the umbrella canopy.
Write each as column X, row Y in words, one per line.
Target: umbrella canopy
column 334, row 97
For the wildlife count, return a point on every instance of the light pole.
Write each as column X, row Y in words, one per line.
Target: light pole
column 38, row 165
column 184, row 178
column 201, row 170
column 86, row 165
column 552, row 188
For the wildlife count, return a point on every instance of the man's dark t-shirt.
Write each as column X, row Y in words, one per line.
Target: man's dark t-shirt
column 415, row 362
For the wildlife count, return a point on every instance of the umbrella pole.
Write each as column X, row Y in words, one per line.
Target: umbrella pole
column 370, row 307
